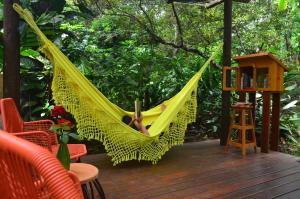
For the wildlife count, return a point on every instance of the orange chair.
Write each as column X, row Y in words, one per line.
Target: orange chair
column 13, row 123
column 30, row 171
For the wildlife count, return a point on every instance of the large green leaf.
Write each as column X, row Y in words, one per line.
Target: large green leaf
column 74, row 135
column 290, row 105
column 282, row 5
column 291, row 87
column 29, row 53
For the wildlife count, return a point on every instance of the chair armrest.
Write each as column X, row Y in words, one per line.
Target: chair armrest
column 76, row 181
column 41, row 125
column 38, row 137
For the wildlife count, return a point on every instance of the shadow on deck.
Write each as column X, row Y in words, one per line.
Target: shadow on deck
column 202, row 170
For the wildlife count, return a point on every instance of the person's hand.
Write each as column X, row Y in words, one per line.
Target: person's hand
column 138, row 119
column 139, row 125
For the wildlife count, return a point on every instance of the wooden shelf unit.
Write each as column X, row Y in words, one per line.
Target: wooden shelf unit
column 256, row 72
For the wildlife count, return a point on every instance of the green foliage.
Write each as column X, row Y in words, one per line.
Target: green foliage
column 116, row 60
column 290, row 117
column 283, row 4
column 35, row 69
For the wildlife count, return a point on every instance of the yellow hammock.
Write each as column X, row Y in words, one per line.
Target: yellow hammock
column 98, row 118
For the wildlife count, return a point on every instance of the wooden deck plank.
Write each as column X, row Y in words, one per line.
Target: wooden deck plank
column 227, row 185
column 291, row 195
column 266, row 189
column 280, row 189
column 199, row 170
column 216, row 178
column 191, row 174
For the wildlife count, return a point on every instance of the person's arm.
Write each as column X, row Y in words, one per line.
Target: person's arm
column 138, row 123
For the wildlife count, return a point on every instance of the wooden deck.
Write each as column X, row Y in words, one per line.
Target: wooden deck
column 202, row 170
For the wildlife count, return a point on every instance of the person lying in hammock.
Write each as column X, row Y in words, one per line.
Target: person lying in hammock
column 136, row 122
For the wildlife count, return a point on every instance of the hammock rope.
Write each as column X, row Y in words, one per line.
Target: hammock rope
column 98, row 118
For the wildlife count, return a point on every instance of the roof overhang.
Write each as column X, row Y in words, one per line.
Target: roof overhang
column 261, row 54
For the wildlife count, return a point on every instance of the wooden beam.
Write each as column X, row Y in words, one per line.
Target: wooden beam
column 11, row 43
column 225, row 120
column 275, row 121
column 266, row 122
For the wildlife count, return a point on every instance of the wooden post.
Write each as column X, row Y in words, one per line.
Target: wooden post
column 275, row 121
column 225, row 120
column 266, row 122
column 11, row 42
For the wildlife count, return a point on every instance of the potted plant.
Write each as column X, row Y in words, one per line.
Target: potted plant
column 64, row 129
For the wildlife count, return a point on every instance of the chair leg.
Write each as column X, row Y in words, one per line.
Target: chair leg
column 99, row 188
column 85, row 191
column 92, row 190
column 243, row 133
column 239, row 131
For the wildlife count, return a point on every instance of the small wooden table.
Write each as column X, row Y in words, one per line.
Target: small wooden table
column 243, row 109
column 88, row 175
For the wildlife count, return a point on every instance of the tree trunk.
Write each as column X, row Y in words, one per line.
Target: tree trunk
column 11, row 42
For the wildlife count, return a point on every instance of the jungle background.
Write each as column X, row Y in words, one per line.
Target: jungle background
column 149, row 49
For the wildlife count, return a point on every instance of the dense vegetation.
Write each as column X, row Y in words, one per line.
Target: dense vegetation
column 149, row 49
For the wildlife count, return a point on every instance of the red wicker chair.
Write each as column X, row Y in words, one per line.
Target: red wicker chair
column 13, row 123
column 28, row 171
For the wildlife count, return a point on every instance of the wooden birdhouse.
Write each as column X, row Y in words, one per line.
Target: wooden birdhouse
column 256, row 72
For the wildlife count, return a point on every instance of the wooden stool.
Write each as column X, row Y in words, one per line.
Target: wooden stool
column 241, row 142
column 87, row 174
